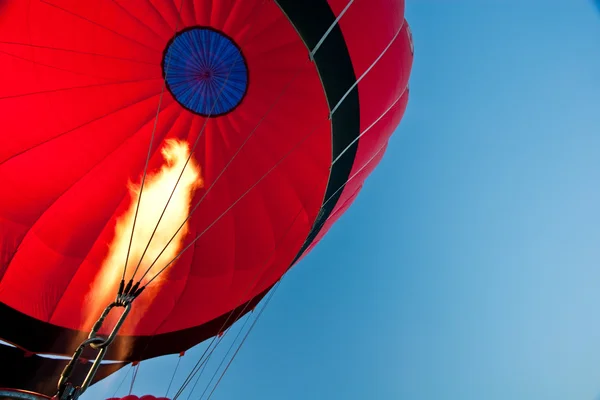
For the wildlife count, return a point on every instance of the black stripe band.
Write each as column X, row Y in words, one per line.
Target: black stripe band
column 312, row 19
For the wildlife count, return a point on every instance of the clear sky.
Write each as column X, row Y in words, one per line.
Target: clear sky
column 469, row 267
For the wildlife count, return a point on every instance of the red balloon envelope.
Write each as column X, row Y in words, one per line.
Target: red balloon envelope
column 278, row 110
column 134, row 397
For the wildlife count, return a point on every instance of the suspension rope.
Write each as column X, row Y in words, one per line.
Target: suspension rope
column 251, row 284
column 197, row 141
column 368, row 69
column 122, row 381
column 394, row 103
column 173, row 376
column 328, row 31
column 245, row 337
column 200, row 375
column 183, row 169
column 135, row 372
column 137, row 207
column 226, row 354
column 199, row 365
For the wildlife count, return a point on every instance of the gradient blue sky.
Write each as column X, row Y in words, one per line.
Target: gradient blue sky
column 468, row 269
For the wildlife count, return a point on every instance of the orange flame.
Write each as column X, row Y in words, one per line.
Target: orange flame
column 156, row 192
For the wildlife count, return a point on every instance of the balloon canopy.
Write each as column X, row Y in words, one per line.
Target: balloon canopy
column 196, row 148
column 134, row 397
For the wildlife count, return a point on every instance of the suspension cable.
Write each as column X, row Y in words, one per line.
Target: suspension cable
column 135, row 372
column 122, row 381
column 183, row 170
column 137, row 207
column 201, row 371
column 133, row 287
column 251, row 284
column 173, row 376
column 202, row 362
column 245, row 337
column 225, row 356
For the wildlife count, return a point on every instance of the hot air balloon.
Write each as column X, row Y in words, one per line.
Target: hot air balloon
column 174, row 159
column 134, row 397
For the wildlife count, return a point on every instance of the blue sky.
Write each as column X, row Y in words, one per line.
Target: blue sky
column 468, row 268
